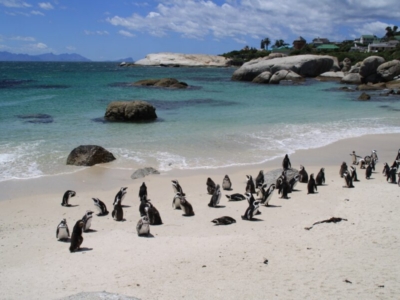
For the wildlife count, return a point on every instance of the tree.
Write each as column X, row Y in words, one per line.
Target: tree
column 265, row 43
column 391, row 32
column 280, row 43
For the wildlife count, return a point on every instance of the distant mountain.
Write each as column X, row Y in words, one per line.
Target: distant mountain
column 8, row 56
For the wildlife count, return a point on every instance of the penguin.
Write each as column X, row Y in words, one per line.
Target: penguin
column 235, row 197
column 250, row 188
column 87, row 220
column 320, row 179
column 386, row 170
column 354, row 157
column 398, row 155
column 216, row 197
column 362, row 163
column 368, row 172
column 260, row 179
column 144, row 206
column 76, row 237
column 268, row 195
column 293, row 181
column 348, row 180
column 252, row 210
column 398, row 176
column 62, row 232
column 224, row 220
column 176, row 202
column 343, row 168
column 394, row 164
column 261, row 191
column 186, row 207
column 303, row 175
column 120, row 196
column 286, row 163
column 118, row 212
column 142, row 191
column 284, row 188
column 392, row 175
column 210, row 186
column 67, row 195
column 154, row 215
column 177, row 187
column 372, row 164
column 143, row 226
column 226, row 183
column 353, row 174
column 101, row 207
column 311, row 186
column 374, row 155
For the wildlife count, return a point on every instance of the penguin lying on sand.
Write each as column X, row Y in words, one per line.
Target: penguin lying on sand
column 224, row 220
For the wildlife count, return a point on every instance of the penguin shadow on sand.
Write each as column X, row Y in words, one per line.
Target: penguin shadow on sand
column 66, row 240
column 83, row 250
column 90, row 231
column 71, row 205
column 147, row 236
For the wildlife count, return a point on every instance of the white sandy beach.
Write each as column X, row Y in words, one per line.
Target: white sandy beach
column 190, row 257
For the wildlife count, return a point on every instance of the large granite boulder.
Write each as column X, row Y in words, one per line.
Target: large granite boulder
column 370, row 65
column 346, row 65
column 164, row 82
column 351, row 78
column 185, row 60
column 303, row 65
column 89, row 155
column 394, row 84
column 331, row 76
column 130, row 111
column 264, row 77
column 364, row 97
column 372, row 87
column 389, row 70
column 284, row 75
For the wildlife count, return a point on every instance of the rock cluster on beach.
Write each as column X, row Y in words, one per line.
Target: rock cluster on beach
column 166, row 59
column 89, row 155
column 130, row 111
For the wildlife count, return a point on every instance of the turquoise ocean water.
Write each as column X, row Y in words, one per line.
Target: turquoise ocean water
column 216, row 122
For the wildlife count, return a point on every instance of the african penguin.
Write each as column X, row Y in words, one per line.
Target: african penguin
column 362, row 163
column 144, row 206
column 177, row 187
column 354, row 157
column 224, row 220
column 210, row 186
column 67, row 195
column 76, row 237
column 186, row 207
column 87, row 220
column 101, row 207
column 353, row 174
column 374, row 155
column 398, row 155
column 154, row 215
column 143, row 226
column 286, row 163
column 176, row 202
column 392, row 175
column 216, row 197
column 118, row 212
column 252, row 208
column 303, row 175
column 235, row 197
column 260, row 179
column 386, row 170
column 268, row 195
column 250, row 188
column 120, row 196
column 311, row 186
column 261, row 191
column 226, row 183
column 284, row 188
column 368, row 172
column 293, row 182
column 348, row 180
column 62, row 232
column 320, row 179
column 142, row 191
column 343, row 168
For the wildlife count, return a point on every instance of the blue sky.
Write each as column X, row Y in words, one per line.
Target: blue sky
column 115, row 29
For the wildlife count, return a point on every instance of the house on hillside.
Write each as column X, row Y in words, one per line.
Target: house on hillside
column 376, row 47
column 299, row 43
column 367, row 39
column 320, row 41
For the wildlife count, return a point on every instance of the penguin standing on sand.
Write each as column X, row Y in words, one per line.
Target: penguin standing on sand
column 320, row 179
column 186, row 207
column 348, row 180
column 386, row 170
column 87, row 220
column 176, row 202
column 392, row 175
column 353, row 174
column 311, row 186
column 216, row 197
column 76, row 237
column 210, row 186
column 268, row 195
column 343, row 168
column 235, row 197
column 250, row 188
column 286, row 163
column 354, row 157
column 226, row 183
column 177, row 187
column 101, row 207
column 362, row 163
column 67, row 195
column 143, row 226
column 118, row 212
column 153, row 214
column 62, row 232
column 368, row 172
column 143, row 191
column 252, row 209
column 260, row 179
column 283, row 188
column 261, row 191
column 303, row 175
column 120, row 196
column 293, row 182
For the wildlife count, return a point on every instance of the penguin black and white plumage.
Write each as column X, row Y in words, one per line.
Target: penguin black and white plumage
column 320, row 179
column 186, row 207
column 120, row 196
column 226, row 183
column 374, row 155
column 261, row 191
column 293, row 182
column 303, row 175
column 260, row 179
column 210, row 186
column 368, row 172
column 177, row 187
column 252, row 209
column 398, row 176
column 284, row 188
column 353, row 172
column 362, row 163
column 343, row 168
column 144, row 206
column 76, row 237
column 224, row 220
column 250, row 188
column 118, row 212
column 67, row 195
column 386, row 170
column 348, row 180
column 286, row 163
column 154, row 215
column 235, row 197
column 176, row 202
column 395, row 164
column 62, row 232
column 392, row 175
column 268, row 195
column 216, row 197
column 87, row 220
column 101, row 207
column 143, row 226
column 142, row 191
column 311, row 186
column 354, row 157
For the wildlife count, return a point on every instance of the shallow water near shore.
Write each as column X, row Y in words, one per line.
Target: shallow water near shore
column 47, row 109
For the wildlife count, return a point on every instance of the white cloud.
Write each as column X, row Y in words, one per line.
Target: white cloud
column 37, row 13
column 70, row 48
column 23, row 38
column 38, row 46
column 98, row 32
column 375, row 28
column 46, row 5
column 14, row 3
column 126, row 33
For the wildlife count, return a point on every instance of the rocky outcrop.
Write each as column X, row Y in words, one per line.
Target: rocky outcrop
column 185, row 60
column 346, row 65
column 371, row 87
column 370, row 65
column 351, row 78
column 164, row 82
column 303, row 65
column 284, row 75
column 130, row 111
column 395, row 84
column 331, row 76
column 364, row 97
column 264, row 77
column 140, row 173
column 389, row 70
column 89, row 155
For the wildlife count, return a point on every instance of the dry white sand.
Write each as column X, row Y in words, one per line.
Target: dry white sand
column 189, row 257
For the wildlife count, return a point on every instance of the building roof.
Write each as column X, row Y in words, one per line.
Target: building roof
column 299, row 39
column 327, row 47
